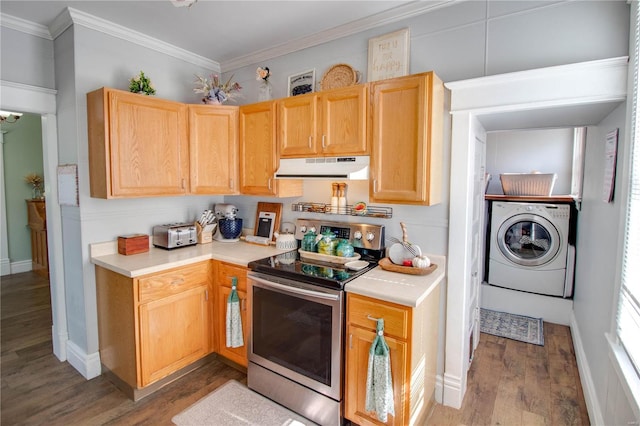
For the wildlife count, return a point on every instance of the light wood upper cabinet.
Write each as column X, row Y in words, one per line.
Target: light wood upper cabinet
column 406, row 140
column 329, row 123
column 138, row 145
column 213, row 143
column 258, row 155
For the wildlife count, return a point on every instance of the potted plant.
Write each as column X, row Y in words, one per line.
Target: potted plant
column 141, row 84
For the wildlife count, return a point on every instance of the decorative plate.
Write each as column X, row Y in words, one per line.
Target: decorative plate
column 360, row 208
column 339, row 75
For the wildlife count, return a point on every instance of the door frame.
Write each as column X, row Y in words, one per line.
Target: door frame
column 42, row 101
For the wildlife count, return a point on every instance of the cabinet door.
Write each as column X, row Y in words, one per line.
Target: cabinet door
column 406, row 140
column 357, row 361
column 173, row 333
column 298, row 124
column 149, row 153
column 344, row 121
column 239, row 354
column 213, row 143
column 258, row 161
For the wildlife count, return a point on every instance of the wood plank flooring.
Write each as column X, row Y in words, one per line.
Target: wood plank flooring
column 510, row 383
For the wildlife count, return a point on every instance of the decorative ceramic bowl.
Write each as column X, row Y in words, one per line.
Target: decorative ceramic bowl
column 230, row 228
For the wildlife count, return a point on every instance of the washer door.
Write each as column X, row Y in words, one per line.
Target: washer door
column 528, row 240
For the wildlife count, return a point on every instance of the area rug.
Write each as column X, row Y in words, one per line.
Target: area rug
column 235, row 404
column 512, row 326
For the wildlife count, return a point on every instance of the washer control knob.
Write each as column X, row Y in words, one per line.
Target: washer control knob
column 357, row 235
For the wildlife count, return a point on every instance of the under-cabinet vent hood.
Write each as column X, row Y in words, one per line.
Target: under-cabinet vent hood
column 352, row 168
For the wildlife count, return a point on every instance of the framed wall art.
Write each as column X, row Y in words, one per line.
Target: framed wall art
column 301, row 83
column 388, row 55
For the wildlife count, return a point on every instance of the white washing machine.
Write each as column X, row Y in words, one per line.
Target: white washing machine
column 529, row 248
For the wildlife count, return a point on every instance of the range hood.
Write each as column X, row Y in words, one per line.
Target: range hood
column 352, row 168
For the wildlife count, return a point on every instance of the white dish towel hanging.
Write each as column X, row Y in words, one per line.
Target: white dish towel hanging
column 234, row 321
column 379, row 389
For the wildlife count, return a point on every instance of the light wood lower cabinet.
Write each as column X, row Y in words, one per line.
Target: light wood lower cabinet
column 153, row 326
column 37, row 219
column 412, row 336
column 225, row 274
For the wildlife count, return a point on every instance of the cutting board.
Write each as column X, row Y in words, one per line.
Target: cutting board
column 272, row 208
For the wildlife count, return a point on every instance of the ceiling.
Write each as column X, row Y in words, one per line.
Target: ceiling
column 226, row 31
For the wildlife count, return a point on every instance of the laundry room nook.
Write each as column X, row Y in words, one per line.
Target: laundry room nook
column 533, row 192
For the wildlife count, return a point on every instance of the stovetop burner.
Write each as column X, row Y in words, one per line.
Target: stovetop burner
column 290, row 265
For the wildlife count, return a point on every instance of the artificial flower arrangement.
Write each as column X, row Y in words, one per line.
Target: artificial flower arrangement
column 36, row 182
column 263, row 74
column 216, row 92
column 141, row 84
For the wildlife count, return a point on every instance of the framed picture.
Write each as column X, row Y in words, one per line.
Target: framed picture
column 302, row 83
column 388, row 55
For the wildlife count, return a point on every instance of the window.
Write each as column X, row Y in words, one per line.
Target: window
column 628, row 318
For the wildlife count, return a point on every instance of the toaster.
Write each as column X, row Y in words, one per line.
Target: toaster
column 174, row 235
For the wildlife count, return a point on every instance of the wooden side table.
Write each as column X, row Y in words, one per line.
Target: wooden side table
column 36, row 211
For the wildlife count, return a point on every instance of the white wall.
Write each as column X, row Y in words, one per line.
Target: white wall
column 523, row 151
column 596, row 253
column 26, row 59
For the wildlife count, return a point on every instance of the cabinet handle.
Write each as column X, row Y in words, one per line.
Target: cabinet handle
column 375, row 187
column 231, row 183
column 323, row 145
column 183, row 184
column 243, row 304
column 310, row 139
column 206, row 295
column 269, row 184
column 350, row 340
column 178, row 281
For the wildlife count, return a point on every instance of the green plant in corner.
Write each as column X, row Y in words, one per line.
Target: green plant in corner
column 141, row 84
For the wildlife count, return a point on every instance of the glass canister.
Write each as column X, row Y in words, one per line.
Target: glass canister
column 344, row 248
column 327, row 243
column 309, row 241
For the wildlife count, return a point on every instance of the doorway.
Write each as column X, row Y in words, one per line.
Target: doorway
column 41, row 101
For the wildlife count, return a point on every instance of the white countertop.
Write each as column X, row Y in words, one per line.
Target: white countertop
column 404, row 289
column 157, row 259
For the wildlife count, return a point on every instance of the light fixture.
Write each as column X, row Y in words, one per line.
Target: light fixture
column 183, row 3
column 9, row 116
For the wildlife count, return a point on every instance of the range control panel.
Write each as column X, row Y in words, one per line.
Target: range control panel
column 364, row 235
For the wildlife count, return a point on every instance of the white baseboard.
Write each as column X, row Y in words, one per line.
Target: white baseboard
column 452, row 393
column 87, row 364
column 439, row 388
column 59, row 340
column 21, row 266
column 5, row 267
column 589, row 391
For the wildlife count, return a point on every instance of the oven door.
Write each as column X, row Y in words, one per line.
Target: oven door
column 297, row 332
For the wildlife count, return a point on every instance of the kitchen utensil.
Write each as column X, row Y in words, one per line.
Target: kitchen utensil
column 402, row 250
column 387, row 265
column 285, row 241
column 230, row 229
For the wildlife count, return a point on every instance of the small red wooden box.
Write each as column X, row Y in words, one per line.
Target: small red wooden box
column 133, row 244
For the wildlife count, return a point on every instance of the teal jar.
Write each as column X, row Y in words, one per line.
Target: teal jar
column 344, row 249
column 309, row 242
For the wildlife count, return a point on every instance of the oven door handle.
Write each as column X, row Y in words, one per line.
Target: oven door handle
column 297, row 290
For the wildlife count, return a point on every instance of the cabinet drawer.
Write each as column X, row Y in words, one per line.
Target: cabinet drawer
column 227, row 271
column 168, row 283
column 361, row 309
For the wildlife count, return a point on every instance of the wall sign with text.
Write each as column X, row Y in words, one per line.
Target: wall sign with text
column 389, row 56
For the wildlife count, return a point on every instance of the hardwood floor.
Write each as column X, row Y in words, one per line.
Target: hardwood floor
column 510, row 383
column 514, row 383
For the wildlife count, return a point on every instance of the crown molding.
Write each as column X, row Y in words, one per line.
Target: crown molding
column 25, row 26
column 72, row 16
column 399, row 13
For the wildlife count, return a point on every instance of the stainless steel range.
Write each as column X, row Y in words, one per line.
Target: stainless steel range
column 297, row 315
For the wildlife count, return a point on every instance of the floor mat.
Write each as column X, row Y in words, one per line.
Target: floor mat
column 512, row 326
column 235, row 404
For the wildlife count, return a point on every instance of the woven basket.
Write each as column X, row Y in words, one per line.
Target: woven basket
column 339, row 75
